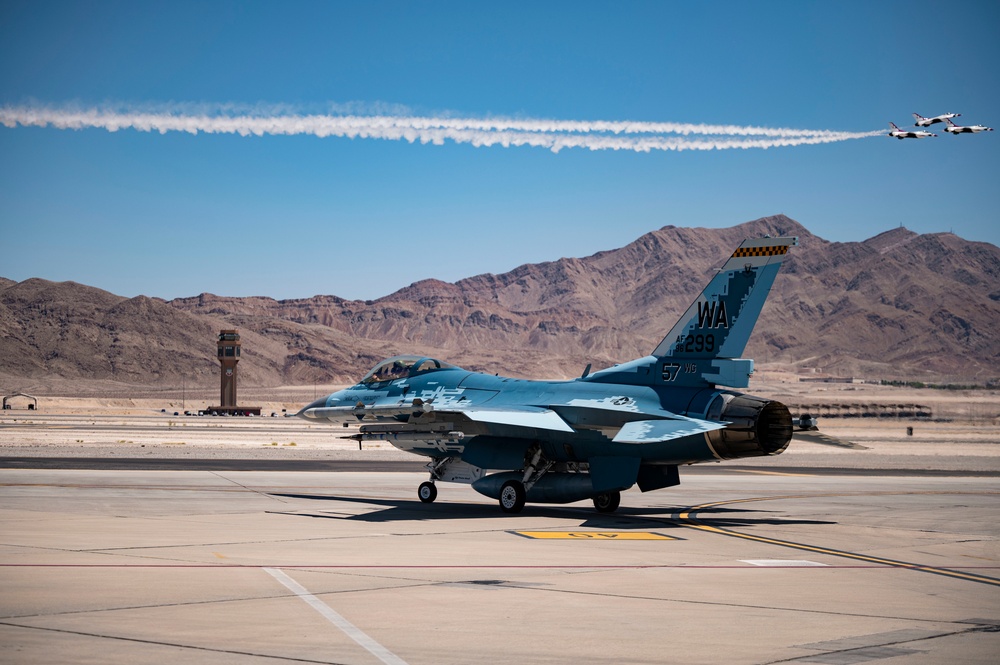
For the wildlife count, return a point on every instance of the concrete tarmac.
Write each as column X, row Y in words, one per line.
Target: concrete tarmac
column 754, row 567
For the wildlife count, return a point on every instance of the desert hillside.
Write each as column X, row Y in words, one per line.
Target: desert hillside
column 898, row 306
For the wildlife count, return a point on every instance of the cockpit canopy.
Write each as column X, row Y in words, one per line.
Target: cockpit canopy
column 403, row 367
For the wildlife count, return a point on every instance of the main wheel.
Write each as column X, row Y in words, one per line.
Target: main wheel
column 512, row 496
column 427, row 492
column 607, row 502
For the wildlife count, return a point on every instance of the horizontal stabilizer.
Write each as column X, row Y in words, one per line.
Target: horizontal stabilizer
column 654, row 431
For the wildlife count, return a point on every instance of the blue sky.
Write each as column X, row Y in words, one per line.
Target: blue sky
column 176, row 214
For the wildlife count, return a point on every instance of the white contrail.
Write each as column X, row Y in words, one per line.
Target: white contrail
column 554, row 135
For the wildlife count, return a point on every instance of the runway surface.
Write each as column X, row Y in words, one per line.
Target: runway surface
column 754, row 567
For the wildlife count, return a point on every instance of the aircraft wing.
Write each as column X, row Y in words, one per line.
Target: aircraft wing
column 640, row 431
column 654, row 431
column 519, row 416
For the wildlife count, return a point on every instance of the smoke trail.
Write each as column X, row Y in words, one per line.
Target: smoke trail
column 554, row 135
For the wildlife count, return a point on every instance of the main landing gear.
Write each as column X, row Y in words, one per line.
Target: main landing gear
column 607, row 502
column 512, row 495
column 566, row 485
column 427, row 492
column 514, row 492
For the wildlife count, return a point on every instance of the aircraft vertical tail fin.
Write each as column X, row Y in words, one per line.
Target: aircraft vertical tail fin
column 893, row 125
column 918, row 117
column 706, row 343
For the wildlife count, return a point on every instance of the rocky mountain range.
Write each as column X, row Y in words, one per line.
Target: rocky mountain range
column 897, row 306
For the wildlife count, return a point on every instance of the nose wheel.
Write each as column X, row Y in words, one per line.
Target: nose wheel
column 427, row 492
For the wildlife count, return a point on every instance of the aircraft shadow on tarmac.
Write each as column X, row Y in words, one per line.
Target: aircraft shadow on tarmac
column 405, row 510
column 826, row 440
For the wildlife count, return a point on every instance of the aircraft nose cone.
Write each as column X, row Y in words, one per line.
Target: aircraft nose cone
column 321, row 402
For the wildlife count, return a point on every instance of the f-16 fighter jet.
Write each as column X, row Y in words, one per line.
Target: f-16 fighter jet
column 901, row 134
column 952, row 128
column 517, row 440
column 921, row 121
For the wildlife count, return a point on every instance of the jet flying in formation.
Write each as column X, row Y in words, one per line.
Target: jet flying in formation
column 901, row 134
column 921, row 121
column 946, row 118
column 952, row 128
column 517, row 440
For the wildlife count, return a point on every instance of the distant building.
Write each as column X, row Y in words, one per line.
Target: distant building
column 32, row 403
column 228, row 349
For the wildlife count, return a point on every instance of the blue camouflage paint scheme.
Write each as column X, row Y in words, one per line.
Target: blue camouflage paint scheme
column 558, row 441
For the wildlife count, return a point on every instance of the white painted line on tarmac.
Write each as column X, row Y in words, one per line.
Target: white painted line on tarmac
column 349, row 629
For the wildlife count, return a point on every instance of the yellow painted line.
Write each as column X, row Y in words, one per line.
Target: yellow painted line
column 220, row 556
column 841, row 553
column 594, row 535
column 692, row 523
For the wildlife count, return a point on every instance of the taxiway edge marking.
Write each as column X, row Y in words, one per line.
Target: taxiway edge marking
column 333, row 617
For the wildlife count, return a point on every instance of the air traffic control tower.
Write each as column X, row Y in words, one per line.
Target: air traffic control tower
column 229, row 355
